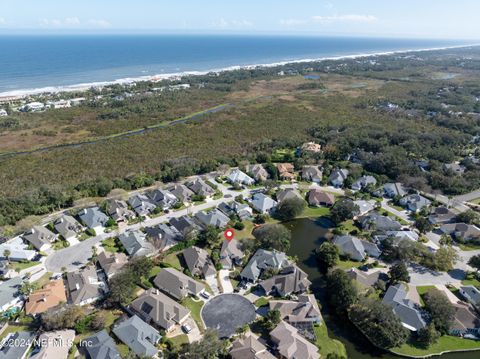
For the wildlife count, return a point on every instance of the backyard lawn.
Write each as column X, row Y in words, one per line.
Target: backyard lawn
column 179, row 340
column 316, row 212
column 328, row 345
column 19, row 266
column 445, row 343
column 172, row 260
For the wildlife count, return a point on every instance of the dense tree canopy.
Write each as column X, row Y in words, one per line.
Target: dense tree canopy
column 273, row 236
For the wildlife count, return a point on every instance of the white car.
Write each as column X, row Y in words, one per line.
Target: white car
column 205, row 295
column 186, row 328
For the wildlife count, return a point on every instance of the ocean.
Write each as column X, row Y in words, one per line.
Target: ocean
column 57, row 62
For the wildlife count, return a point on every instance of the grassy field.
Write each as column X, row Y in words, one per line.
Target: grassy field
column 179, row 340
column 328, row 345
column 261, row 302
column 172, row 260
column 316, row 212
column 19, row 266
column 445, row 343
column 471, row 280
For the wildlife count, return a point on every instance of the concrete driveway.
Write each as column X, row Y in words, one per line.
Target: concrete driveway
column 213, row 284
column 420, row 276
column 223, row 276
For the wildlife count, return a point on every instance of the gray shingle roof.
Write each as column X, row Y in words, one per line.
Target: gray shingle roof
column 93, row 217
column 101, row 346
column 198, row 262
column 405, row 309
column 177, row 284
column 17, row 346
column 261, row 260
column 138, row 336
column 136, row 244
column 9, row 290
column 213, row 218
column 262, row 203
column 67, row 226
column 85, row 285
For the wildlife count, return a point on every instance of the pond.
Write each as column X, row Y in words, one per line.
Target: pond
column 307, row 235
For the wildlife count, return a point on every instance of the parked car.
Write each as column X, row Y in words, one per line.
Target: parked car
column 186, row 328
column 205, row 295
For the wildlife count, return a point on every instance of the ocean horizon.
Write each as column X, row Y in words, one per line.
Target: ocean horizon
column 35, row 64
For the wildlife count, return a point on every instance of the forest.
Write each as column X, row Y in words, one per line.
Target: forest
column 386, row 112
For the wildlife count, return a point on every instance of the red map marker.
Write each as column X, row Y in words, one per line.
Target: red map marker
column 229, row 234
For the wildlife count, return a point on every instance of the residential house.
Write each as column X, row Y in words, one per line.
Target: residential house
column 140, row 337
column 163, row 236
column 414, row 202
column 159, row 310
column 455, row 168
column 177, row 284
column 242, row 210
column 198, row 262
column 213, row 218
column 258, row 172
column 85, row 286
column 51, row 295
column 40, row 237
column 392, row 190
column 94, row 219
column 16, row 345
column 355, row 248
column 201, row 188
column 136, row 243
column 6, row 271
column 288, row 193
column 182, row 192
column 363, row 182
column 311, row 147
column 471, row 294
column 55, row 345
column 466, row 320
column 290, row 280
column 249, row 347
column 9, row 294
column 319, row 198
column 396, row 297
column 163, row 199
column 464, row 231
column 263, row 204
column 441, row 215
column 312, row 174
column 239, row 177
column 338, row 177
column 119, row 211
column 290, row 344
column 100, row 346
column 112, row 263
column 185, row 225
column 231, row 253
column 69, row 228
column 397, row 236
column 364, row 207
column 367, row 279
column 261, row 260
column 374, row 221
column 142, row 205
column 286, row 171
column 18, row 250
column 298, row 313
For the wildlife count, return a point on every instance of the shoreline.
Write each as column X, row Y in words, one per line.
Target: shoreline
column 81, row 87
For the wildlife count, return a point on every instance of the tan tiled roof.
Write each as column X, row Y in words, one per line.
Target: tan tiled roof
column 51, row 295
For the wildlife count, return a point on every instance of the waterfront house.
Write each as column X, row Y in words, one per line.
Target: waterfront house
column 319, row 198
column 263, row 204
column 290, row 280
column 288, row 193
column 355, row 248
column 290, row 344
column 249, row 347
column 260, row 261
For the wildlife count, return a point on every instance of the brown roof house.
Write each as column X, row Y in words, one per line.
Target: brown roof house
column 198, row 262
column 286, row 171
column 298, row 313
column 177, row 284
column 249, row 347
column 112, row 263
column 51, row 295
column 290, row 344
column 319, row 198
column 156, row 308
column 290, row 280
column 85, row 286
column 466, row 320
column 258, row 172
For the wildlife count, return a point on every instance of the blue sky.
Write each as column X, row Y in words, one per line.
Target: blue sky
column 380, row 18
